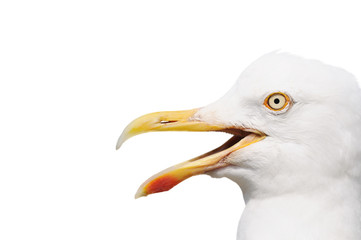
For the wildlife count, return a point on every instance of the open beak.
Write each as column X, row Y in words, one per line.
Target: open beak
column 185, row 121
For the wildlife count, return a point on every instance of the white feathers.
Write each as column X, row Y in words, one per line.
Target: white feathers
column 304, row 180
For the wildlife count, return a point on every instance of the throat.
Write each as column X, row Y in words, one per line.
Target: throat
column 325, row 215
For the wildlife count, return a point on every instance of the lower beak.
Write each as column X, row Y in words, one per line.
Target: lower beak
column 185, row 121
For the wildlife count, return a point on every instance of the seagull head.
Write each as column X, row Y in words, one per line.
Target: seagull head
column 291, row 120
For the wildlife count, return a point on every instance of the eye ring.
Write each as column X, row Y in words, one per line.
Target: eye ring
column 277, row 101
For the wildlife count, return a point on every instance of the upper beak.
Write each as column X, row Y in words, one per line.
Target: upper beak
column 186, row 121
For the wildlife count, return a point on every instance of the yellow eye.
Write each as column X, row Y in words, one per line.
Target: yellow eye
column 277, row 101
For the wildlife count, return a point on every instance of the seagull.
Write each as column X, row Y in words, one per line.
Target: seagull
column 294, row 150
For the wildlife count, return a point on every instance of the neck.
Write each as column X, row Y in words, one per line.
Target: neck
column 330, row 213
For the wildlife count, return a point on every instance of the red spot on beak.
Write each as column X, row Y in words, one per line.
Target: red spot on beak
column 162, row 184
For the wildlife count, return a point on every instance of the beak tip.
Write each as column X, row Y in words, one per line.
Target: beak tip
column 120, row 141
column 140, row 193
column 118, row 146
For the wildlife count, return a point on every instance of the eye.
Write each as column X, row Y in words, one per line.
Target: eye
column 277, row 101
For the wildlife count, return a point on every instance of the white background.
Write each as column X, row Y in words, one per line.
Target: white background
column 73, row 74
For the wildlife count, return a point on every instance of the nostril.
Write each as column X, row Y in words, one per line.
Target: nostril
column 167, row 121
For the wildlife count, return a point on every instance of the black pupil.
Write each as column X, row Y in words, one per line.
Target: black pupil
column 276, row 101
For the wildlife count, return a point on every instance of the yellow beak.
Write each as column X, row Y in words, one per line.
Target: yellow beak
column 185, row 121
